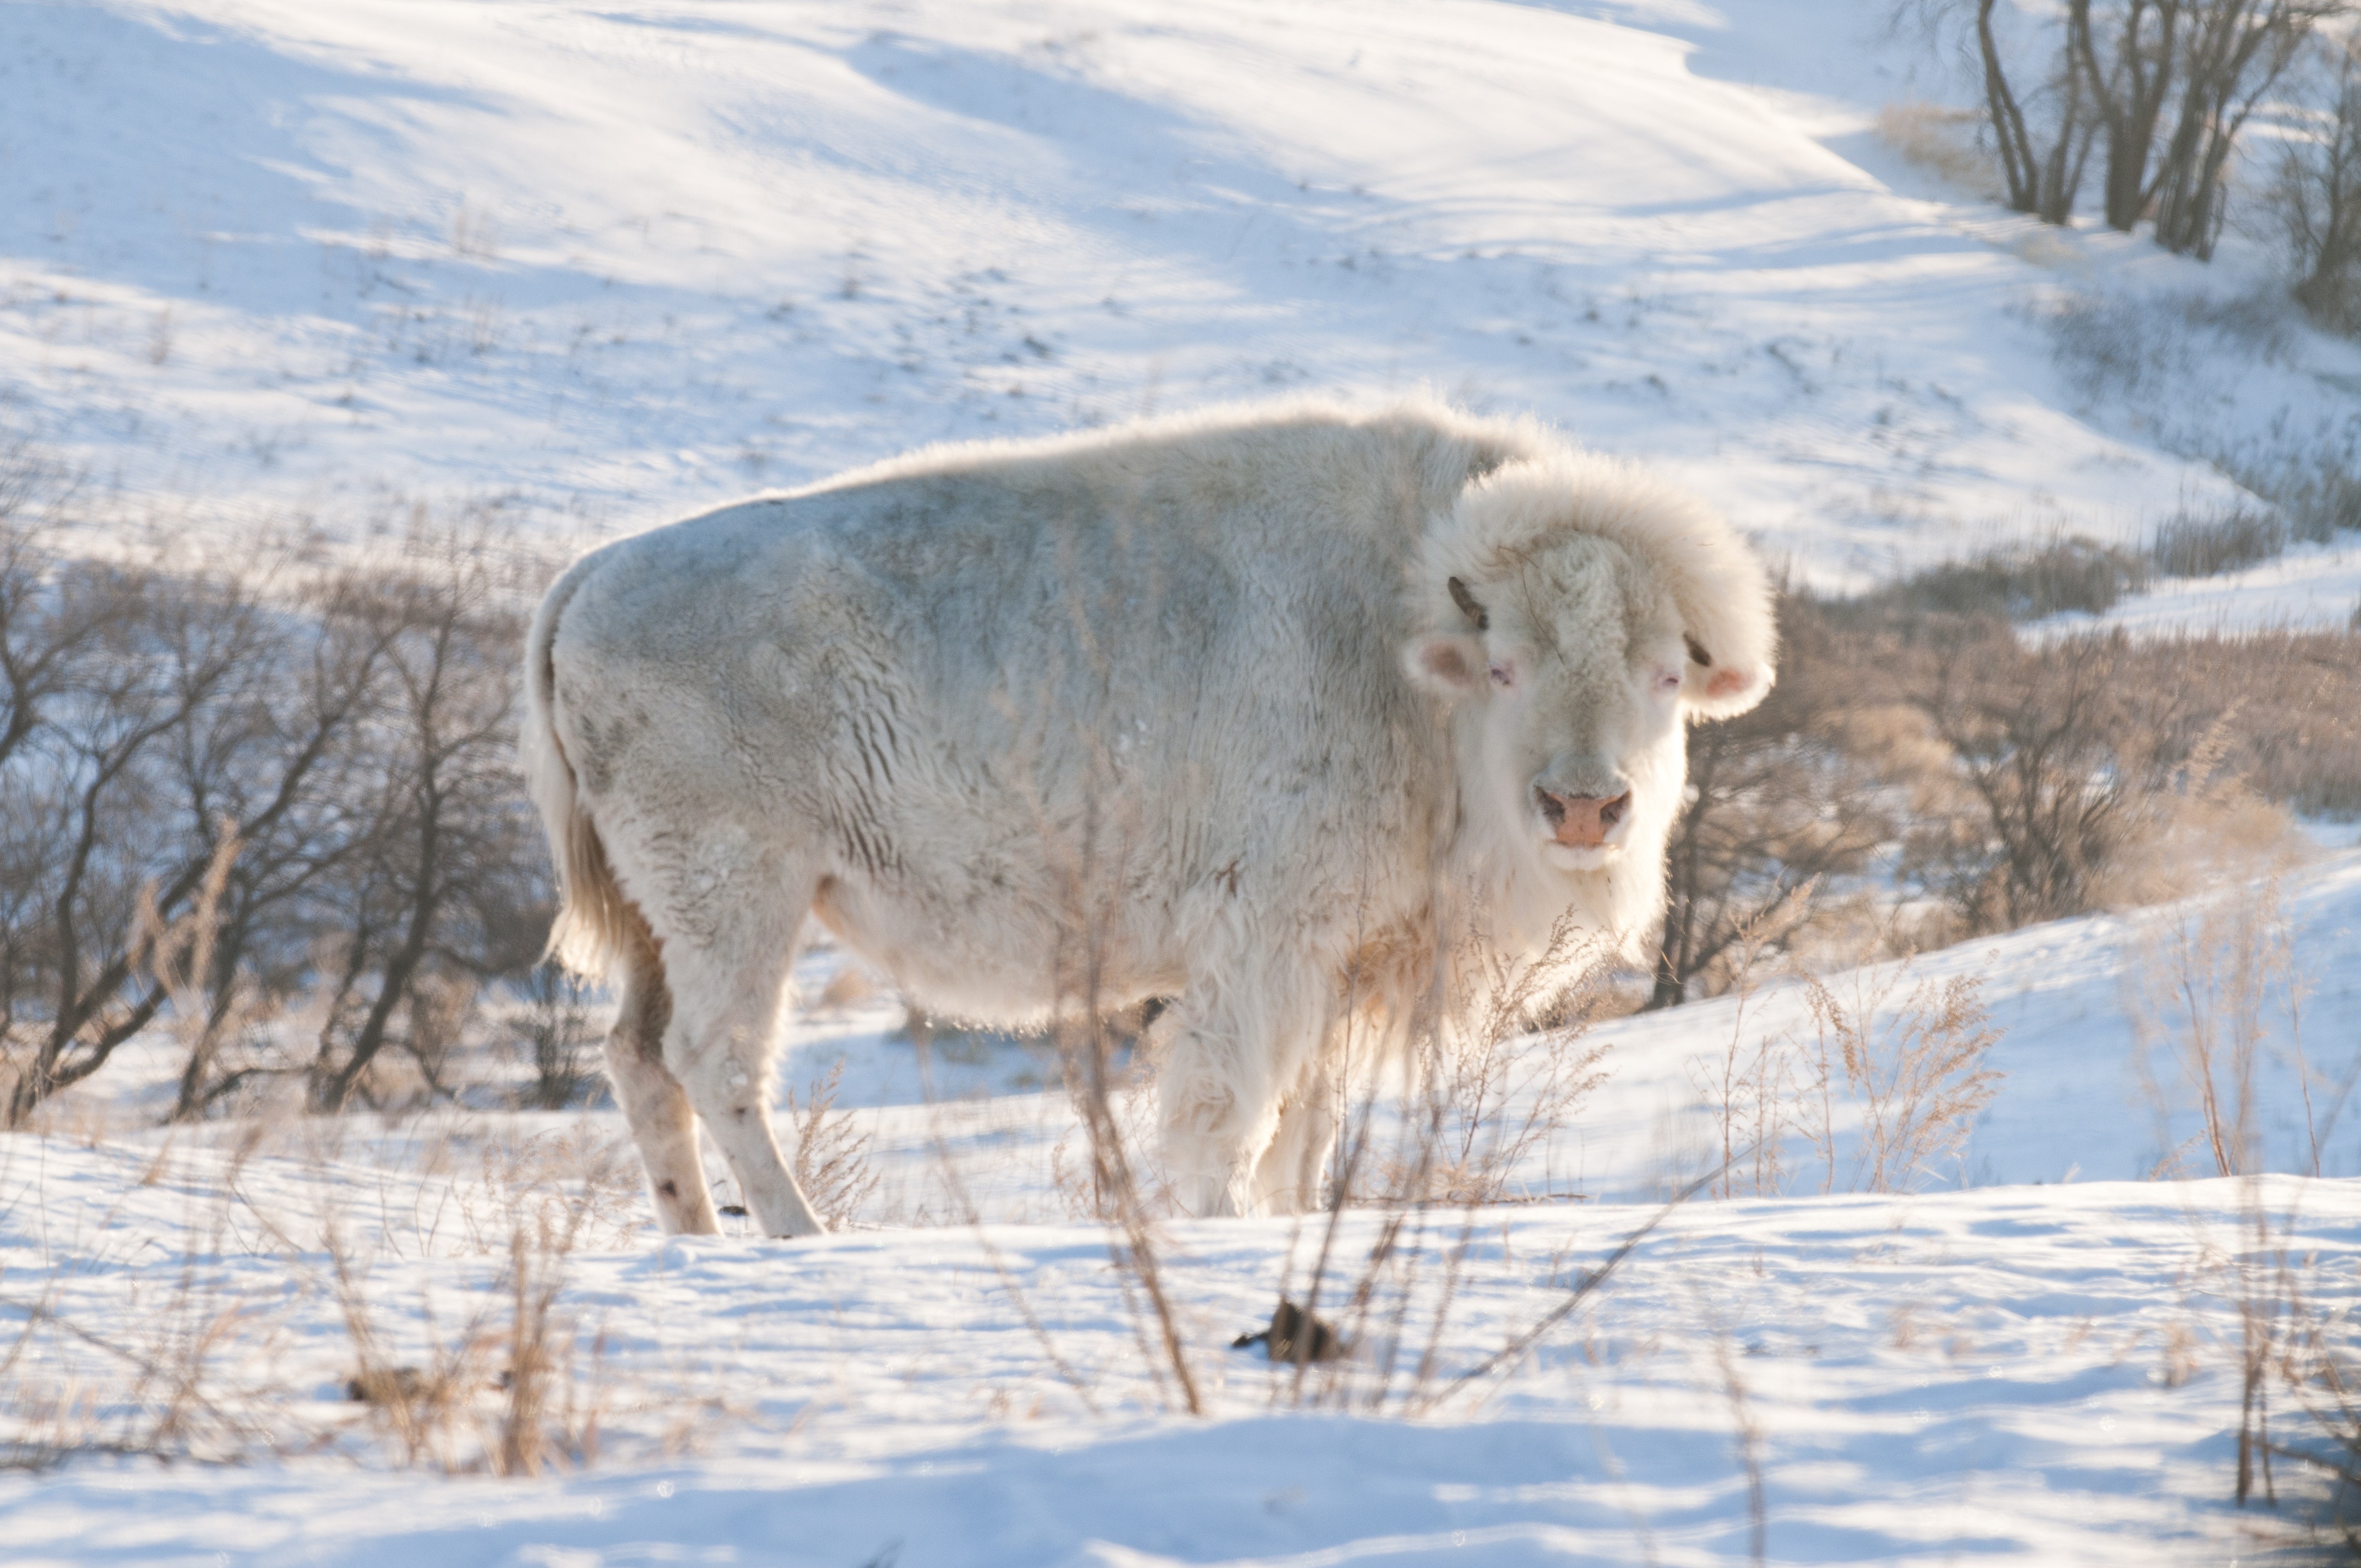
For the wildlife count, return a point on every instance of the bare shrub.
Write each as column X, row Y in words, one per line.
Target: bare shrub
column 2053, row 772
column 832, row 1159
column 2150, row 349
column 1781, row 813
column 1913, row 1064
column 317, row 757
column 2027, row 582
column 2209, row 826
column 554, row 1034
column 2316, row 487
column 2192, row 545
column 2209, row 981
column 2006, row 780
column 2285, row 707
column 2042, row 773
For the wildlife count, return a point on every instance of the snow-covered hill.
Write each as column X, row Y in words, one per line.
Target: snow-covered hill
column 608, row 265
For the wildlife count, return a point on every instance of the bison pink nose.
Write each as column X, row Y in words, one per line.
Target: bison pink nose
column 1581, row 821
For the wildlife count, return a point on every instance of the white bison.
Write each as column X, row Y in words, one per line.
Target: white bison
column 1259, row 710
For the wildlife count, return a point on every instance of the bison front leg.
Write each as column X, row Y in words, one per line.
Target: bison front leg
column 1288, row 1178
column 1229, row 1063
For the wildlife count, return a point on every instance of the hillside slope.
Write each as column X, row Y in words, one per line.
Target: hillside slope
column 605, row 266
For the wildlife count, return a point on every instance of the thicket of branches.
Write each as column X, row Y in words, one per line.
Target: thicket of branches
column 2159, row 89
column 269, row 802
column 2315, row 198
column 2155, row 97
column 2000, row 780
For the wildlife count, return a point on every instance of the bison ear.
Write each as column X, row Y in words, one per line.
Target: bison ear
column 1445, row 664
column 1723, row 689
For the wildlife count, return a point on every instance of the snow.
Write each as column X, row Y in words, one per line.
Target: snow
column 2024, row 1357
column 589, row 269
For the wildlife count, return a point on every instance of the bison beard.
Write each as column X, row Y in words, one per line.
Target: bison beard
column 1271, row 711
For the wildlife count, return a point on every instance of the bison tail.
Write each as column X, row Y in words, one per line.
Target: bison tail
column 595, row 922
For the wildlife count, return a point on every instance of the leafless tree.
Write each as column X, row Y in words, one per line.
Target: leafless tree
column 1778, row 808
column 2316, row 200
column 2041, row 157
column 2164, row 85
column 2127, row 68
column 308, row 763
column 442, row 890
column 281, row 754
column 132, row 660
column 2232, row 53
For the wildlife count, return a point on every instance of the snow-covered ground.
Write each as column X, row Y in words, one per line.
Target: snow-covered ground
column 2040, row 1366
column 594, row 267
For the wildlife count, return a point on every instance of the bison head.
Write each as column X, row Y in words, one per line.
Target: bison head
column 1579, row 612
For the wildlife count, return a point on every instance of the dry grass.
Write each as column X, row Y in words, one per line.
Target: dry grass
column 1943, row 142
column 831, row 1159
column 1902, row 1062
column 512, row 1381
column 191, row 1376
column 182, row 1384
column 504, row 1391
column 2213, row 980
column 2210, row 980
column 1911, row 1062
column 1485, row 1096
column 2204, row 546
column 1429, row 1162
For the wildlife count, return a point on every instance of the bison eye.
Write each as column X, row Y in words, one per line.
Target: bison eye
column 1501, row 676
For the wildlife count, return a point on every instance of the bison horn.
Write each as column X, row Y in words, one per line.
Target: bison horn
column 1696, row 649
column 1473, row 610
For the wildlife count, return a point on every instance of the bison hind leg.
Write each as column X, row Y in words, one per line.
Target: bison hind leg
column 730, row 986
column 653, row 1103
